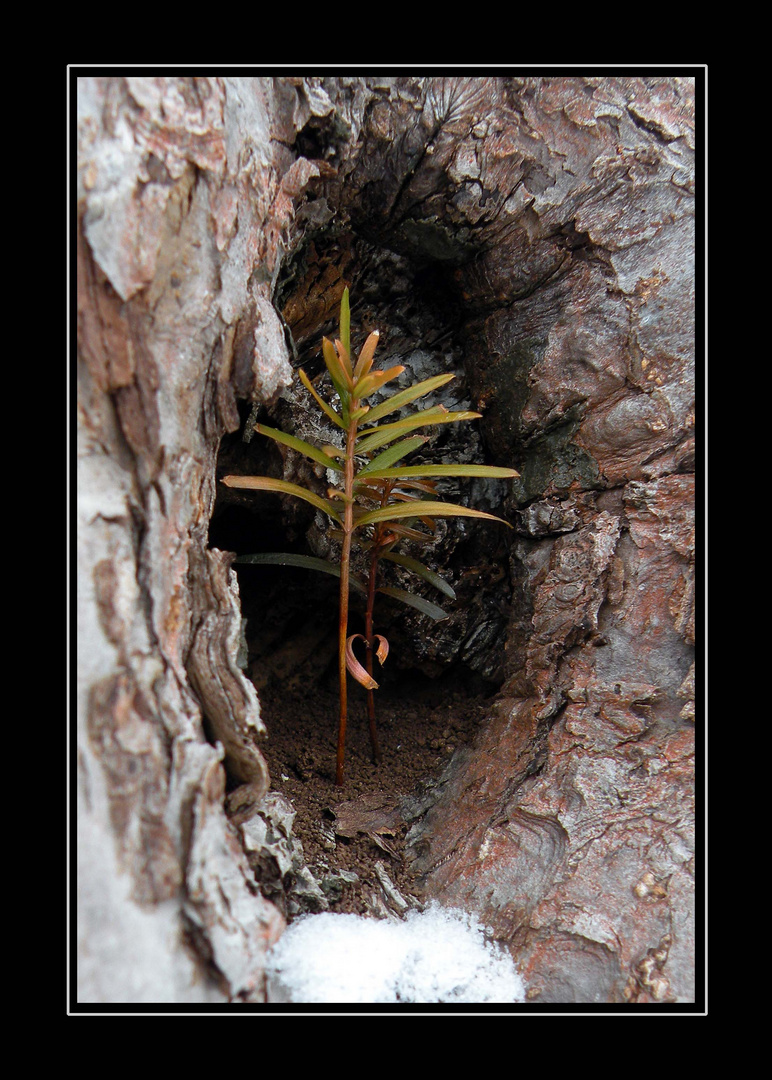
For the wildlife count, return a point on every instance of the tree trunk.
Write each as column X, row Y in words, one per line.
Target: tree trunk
column 537, row 236
column 181, row 206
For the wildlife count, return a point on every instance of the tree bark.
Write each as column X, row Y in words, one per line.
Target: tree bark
column 181, row 205
column 536, row 235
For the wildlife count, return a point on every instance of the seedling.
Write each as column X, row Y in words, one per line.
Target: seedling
column 376, row 500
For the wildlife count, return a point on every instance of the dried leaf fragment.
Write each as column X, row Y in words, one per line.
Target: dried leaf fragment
column 355, row 668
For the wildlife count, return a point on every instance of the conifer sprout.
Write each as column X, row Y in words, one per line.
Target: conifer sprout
column 376, row 501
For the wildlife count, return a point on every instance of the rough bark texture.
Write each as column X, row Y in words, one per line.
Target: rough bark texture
column 180, row 193
column 533, row 235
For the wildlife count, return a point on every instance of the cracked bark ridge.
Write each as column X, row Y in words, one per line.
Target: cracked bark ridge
column 229, row 701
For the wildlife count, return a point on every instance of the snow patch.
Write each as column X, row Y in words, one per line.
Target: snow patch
column 439, row 955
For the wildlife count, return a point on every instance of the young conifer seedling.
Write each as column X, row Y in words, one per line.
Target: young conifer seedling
column 376, row 500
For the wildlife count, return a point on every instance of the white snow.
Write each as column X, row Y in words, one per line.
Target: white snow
column 439, row 955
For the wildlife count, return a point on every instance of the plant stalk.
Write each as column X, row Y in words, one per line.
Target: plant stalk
column 372, row 581
column 370, row 649
column 345, row 562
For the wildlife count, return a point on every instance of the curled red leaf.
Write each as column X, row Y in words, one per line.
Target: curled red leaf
column 355, row 668
column 383, row 648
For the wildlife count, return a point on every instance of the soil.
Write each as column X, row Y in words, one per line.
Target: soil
column 419, row 730
column 426, row 711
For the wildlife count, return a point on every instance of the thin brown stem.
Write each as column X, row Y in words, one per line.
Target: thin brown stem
column 345, row 562
column 371, row 584
column 371, row 589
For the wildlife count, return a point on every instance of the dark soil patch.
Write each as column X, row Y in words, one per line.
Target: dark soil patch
column 419, row 731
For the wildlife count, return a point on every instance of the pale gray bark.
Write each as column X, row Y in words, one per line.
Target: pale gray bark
column 180, row 186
